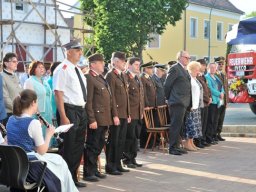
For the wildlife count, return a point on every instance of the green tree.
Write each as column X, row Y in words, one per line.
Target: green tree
column 252, row 14
column 126, row 25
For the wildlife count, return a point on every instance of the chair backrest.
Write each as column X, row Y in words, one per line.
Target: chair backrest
column 14, row 166
column 162, row 114
column 148, row 117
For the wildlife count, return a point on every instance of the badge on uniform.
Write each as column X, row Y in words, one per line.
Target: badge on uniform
column 64, row 67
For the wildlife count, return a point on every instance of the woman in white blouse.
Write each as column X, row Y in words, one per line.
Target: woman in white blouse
column 193, row 127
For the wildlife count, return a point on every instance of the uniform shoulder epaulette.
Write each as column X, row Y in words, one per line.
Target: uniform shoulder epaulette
column 145, row 75
column 93, row 73
column 129, row 75
column 115, row 71
column 64, row 66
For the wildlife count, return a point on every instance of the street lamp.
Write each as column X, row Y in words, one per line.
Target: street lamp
column 209, row 38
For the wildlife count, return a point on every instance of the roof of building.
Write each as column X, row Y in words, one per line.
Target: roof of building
column 218, row 4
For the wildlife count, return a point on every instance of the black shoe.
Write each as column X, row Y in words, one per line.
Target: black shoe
column 100, row 175
column 216, row 139
column 134, row 162
column 205, row 144
column 213, row 142
column 112, row 171
column 182, row 151
column 80, row 184
column 220, row 138
column 121, row 169
column 91, row 178
column 199, row 145
column 130, row 165
column 174, row 152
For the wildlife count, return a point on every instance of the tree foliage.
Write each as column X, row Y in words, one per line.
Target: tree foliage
column 252, row 14
column 125, row 25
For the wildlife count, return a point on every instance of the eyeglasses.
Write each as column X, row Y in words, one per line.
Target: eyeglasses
column 187, row 57
column 14, row 61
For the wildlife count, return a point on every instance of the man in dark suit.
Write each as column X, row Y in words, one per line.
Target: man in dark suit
column 178, row 92
column 121, row 111
column 136, row 99
column 222, row 109
column 99, row 112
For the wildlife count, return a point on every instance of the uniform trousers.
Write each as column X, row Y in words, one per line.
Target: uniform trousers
column 221, row 112
column 74, row 139
column 212, row 122
column 204, row 118
column 131, row 143
column 116, row 144
column 177, row 115
column 95, row 142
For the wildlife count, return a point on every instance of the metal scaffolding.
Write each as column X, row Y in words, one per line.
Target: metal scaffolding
column 14, row 41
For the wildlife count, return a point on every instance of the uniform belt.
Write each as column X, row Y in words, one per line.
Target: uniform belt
column 74, row 106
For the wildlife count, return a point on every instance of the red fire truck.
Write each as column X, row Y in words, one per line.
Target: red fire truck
column 241, row 63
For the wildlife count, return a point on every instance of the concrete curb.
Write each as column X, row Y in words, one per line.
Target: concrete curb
column 239, row 131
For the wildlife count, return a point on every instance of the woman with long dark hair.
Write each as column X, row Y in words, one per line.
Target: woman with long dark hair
column 25, row 131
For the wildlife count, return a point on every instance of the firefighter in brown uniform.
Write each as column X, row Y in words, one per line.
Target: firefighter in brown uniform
column 149, row 96
column 148, row 84
column 99, row 112
column 136, row 99
column 117, row 133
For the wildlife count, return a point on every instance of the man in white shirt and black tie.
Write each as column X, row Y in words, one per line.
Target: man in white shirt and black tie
column 69, row 85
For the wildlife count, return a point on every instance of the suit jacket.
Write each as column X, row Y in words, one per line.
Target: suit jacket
column 149, row 90
column 120, row 96
column 136, row 96
column 160, row 95
column 2, row 106
column 178, row 87
column 224, row 81
column 206, row 90
column 99, row 102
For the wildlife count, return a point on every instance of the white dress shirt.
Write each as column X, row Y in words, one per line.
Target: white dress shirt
column 66, row 80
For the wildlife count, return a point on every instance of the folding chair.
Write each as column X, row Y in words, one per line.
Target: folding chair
column 14, row 169
column 151, row 129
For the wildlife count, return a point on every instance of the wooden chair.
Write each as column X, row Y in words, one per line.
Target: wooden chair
column 162, row 115
column 151, row 129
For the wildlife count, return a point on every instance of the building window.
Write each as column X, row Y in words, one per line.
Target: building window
column 154, row 41
column 193, row 27
column 206, row 29
column 219, row 31
column 19, row 6
column 230, row 27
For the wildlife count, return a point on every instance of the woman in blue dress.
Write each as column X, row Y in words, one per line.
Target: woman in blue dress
column 25, row 131
column 43, row 91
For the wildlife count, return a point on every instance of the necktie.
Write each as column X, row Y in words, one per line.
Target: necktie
column 137, row 79
column 81, row 83
column 106, row 83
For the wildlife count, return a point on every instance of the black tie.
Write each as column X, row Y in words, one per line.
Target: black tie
column 105, row 81
column 81, row 83
column 137, row 79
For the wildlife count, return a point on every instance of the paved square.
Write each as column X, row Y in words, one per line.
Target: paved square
column 229, row 166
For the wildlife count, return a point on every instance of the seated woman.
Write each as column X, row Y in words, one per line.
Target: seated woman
column 26, row 132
